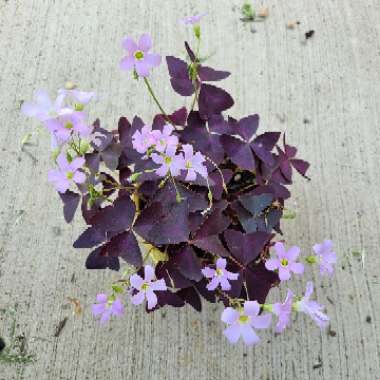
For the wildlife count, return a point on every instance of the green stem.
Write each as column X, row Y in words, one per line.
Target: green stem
column 151, row 92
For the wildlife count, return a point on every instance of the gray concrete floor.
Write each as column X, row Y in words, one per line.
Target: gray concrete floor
column 325, row 93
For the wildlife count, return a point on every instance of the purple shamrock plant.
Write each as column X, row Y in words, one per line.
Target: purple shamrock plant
column 189, row 203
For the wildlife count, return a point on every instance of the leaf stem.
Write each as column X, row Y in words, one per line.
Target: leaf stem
column 151, row 92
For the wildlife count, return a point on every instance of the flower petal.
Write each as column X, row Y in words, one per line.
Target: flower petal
column 148, row 273
column 284, row 274
column 136, row 281
column 293, row 253
column 158, row 285
column 127, row 63
column 208, row 272
column 297, row 268
column 221, row 263
column 152, row 299
column 145, row 42
column 251, row 308
column 232, row 333
column 129, row 44
column 261, row 321
column 79, row 177
column 249, row 336
column 153, row 60
column 229, row 315
column 138, row 298
column 272, row 264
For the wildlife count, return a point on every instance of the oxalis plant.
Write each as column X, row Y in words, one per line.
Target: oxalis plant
column 191, row 203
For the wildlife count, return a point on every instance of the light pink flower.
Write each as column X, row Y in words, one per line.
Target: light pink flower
column 312, row 308
column 146, row 287
column 327, row 258
column 219, row 276
column 63, row 126
column 194, row 163
column 285, row 262
column 169, row 161
column 283, row 312
column 43, row 108
column 106, row 308
column 138, row 57
column 193, row 20
column 242, row 323
column 144, row 139
column 165, row 139
column 81, row 97
column 66, row 173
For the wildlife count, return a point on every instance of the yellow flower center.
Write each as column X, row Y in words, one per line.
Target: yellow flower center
column 139, row 55
column 188, row 165
column 284, row 262
column 69, row 175
column 69, row 126
column 145, row 287
column 168, row 160
column 243, row 318
column 219, row 272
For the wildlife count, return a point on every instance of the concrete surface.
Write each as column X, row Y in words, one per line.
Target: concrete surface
column 325, row 93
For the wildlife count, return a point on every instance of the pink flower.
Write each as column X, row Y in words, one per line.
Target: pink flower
column 243, row 322
column 312, row 308
column 285, row 262
column 169, row 161
column 283, row 312
column 144, row 139
column 81, row 97
column 193, row 20
column 68, row 123
column 106, row 308
column 164, row 139
column 219, row 276
column 67, row 173
column 146, row 287
column 194, row 163
column 43, row 108
column 138, row 57
column 327, row 258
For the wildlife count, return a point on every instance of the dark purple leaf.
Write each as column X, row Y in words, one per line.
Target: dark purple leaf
column 170, row 299
column 188, row 264
column 179, row 76
column 190, row 52
column 217, row 188
column 246, row 247
column 259, row 281
column 239, row 152
column 247, row 126
column 124, row 129
column 213, row 100
column 98, row 259
column 117, row 217
column 256, row 204
column 172, row 276
column 204, row 292
column 207, row 74
column 125, row 245
column 191, row 296
column 111, row 154
column 92, row 162
column 90, row 238
column 211, row 244
column 179, row 117
column 70, row 204
column 168, row 225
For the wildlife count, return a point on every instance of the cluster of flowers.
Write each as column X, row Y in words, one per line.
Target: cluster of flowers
column 196, row 194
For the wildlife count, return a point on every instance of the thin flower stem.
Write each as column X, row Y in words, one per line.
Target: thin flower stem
column 151, row 92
